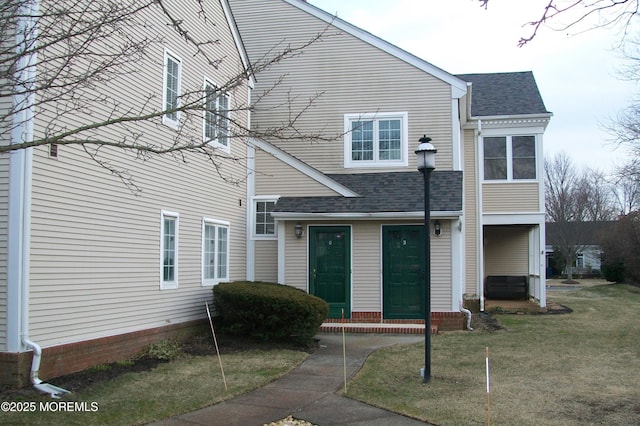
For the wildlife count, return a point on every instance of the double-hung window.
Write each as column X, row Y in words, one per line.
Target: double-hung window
column 169, row 250
column 215, row 251
column 509, row 157
column 375, row 140
column 171, row 89
column 216, row 116
column 264, row 223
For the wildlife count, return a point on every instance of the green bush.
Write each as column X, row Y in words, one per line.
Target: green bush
column 268, row 311
column 614, row 271
column 163, row 350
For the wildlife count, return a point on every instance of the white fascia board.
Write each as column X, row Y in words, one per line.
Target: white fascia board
column 371, row 216
column 458, row 87
column 238, row 41
column 302, row 167
column 540, row 121
column 531, row 218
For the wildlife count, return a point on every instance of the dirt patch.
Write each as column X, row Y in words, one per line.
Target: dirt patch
column 197, row 346
column 485, row 322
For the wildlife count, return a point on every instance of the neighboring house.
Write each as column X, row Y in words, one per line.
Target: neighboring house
column 585, row 237
column 94, row 273
column 341, row 217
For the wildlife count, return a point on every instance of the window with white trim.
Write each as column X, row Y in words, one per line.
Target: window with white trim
column 216, row 116
column 376, row 140
column 169, row 250
column 215, row 251
column 264, row 224
column 171, row 89
column 509, row 157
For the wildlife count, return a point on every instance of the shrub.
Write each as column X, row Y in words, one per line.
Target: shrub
column 164, row 350
column 614, row 271
column 268, row 310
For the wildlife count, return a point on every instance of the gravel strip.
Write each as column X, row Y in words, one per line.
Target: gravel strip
column 290, row 421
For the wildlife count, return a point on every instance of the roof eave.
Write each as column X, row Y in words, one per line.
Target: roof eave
column 365, row 215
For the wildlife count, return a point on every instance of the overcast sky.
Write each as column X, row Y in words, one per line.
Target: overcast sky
column 576, row 73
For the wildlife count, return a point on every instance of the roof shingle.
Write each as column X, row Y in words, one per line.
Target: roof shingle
column 383, row 192
column 510, row 93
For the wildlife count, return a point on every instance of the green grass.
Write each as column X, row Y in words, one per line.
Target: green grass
column 180, row 386
column 571, row 369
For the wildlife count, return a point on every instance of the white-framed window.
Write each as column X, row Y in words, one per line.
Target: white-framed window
column 510, row 157
column 264, row 225
column 216, row 116
column 171, row 87
column 215, row 251
column 169, row 250
column 580, row 260
column 376, row 140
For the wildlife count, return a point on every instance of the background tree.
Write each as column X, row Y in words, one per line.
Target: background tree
column 565, row 15
column 78, row 47
column 572, row 197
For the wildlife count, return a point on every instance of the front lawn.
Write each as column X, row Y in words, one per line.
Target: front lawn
column 570, row 369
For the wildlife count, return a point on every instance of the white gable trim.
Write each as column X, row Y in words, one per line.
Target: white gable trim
column 458, row 87
column 238, row 40
column 302, row 167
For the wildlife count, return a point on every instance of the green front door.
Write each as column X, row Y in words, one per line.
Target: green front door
column 403, row 271
column 330, row 267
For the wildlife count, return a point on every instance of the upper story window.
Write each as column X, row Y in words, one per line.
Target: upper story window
column 169, row 250
column 171, row 89
column 264, row 224
column 216, row 116
column 509, row 157
column 375, row 140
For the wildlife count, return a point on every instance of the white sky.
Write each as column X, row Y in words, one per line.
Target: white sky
column 576, row 73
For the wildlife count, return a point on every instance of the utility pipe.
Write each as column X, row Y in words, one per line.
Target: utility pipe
column 467, row 313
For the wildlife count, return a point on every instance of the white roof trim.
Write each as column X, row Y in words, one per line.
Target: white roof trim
column 378, row 215
column 238, row 40
column 459, row 87
column 302, row 167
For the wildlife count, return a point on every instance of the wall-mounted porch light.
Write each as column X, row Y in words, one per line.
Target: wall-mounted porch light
column 298, row 230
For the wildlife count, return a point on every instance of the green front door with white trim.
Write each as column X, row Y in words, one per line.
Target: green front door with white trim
column 330, row 267
column 403, row 271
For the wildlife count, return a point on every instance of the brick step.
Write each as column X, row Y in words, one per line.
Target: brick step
column 388, row 328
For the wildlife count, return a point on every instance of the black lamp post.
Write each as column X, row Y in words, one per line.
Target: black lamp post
column 426, row 154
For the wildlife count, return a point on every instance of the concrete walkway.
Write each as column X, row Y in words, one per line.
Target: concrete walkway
column 309, row 392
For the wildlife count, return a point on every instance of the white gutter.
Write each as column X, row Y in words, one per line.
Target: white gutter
column 20, row 185
column 379, row 215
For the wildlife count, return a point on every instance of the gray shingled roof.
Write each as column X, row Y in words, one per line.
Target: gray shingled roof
column 383, row 192
column 511, row 93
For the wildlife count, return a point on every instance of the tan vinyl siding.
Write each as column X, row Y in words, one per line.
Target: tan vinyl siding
column 296, row 249
column 348, row 75
column 5, row 139
column 441, row 276
column 366, row 268
column 266, row 261
column 274, row 177
column 506, row 250
column 510, row 197
column 470, row 214
column 95, row 250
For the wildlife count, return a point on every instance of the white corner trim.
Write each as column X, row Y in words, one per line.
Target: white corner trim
column 302, row 167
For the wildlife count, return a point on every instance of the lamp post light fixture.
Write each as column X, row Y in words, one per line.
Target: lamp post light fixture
column 426, row 154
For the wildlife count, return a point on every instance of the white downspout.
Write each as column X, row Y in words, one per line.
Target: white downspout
column 468, row 315
column 21, row 183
